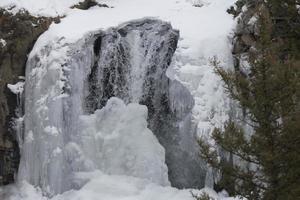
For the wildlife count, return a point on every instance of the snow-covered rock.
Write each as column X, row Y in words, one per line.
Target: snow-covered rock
column 116, row 139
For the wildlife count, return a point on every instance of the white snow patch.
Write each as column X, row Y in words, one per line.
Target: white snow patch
column 244, row 8
column 253, row 20
column 17, row 88
column 3, row 42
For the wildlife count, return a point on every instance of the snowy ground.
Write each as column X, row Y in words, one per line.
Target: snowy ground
column 112, row 187
column 204, row 33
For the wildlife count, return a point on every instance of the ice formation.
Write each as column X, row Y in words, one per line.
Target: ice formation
column 65, row 132
column 131, row 63
column 79, row 64
column 116, row 139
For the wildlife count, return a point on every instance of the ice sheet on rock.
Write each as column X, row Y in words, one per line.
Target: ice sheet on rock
column 131, row 63
column 52, row 107
column 58, row 142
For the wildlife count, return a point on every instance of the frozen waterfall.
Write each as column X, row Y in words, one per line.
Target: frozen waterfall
column 82, row 110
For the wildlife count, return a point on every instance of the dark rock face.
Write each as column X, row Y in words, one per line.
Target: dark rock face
column 18, row 34
column 86, row 4
column 131, row 63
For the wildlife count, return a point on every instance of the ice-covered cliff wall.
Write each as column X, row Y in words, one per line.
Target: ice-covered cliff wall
column 17, row 36
column 67, row 82
column 131, row 64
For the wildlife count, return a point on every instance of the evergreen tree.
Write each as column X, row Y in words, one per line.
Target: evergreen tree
column 269, row 158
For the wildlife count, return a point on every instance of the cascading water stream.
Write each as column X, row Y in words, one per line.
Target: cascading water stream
column 66, row 132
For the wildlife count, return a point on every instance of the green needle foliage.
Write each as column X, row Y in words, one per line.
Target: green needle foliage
column 268, row 159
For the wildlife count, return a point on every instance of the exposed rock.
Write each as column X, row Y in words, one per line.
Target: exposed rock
column 86, row 4
column 237, row 9
column 17, row 34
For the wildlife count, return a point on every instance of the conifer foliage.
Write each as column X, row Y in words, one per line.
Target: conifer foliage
column 267, row 161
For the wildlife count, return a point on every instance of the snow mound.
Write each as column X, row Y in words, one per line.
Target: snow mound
column 117, row 140
column 101, row 186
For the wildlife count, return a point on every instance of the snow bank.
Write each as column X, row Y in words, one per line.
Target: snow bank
column 117, row 140
column 204, row 34
column 39, row 7
column 101, row 186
